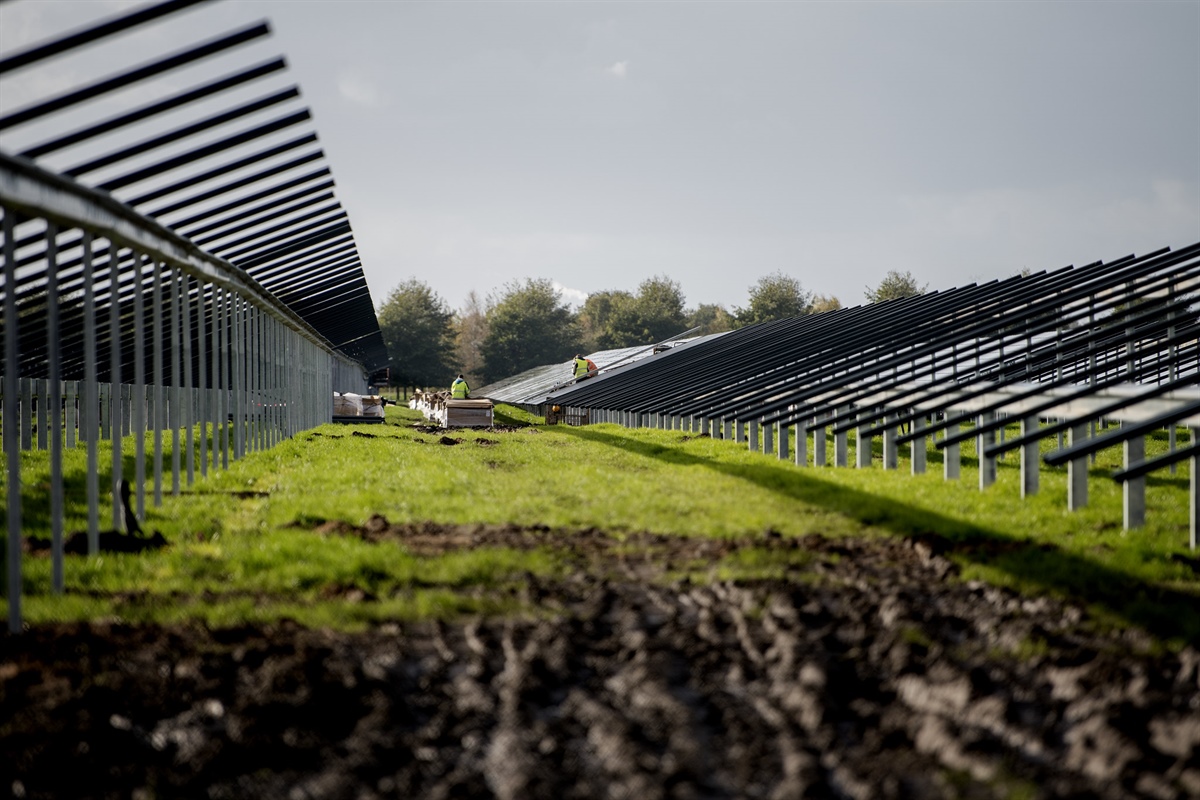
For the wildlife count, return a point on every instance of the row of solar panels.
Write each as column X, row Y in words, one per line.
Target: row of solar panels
column 529, row 389
column 1055, row 350
column 1120, row 321
column 206, row 140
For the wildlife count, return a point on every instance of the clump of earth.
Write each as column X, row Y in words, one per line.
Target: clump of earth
column 868, row 670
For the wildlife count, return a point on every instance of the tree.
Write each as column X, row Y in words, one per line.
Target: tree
column 416, row 328
column 710, row 318
column 822, row 303
column 615, row 319
column 894, row 286
column 775, row 296
column 528, row 325
column 659, row 307
column 596, row 316
column 470, row 329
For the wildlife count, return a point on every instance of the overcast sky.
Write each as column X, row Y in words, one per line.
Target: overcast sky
column 599, row 143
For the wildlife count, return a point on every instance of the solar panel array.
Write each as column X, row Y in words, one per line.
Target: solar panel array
column 1058, row 350
column 529, row 389
column 175, row 261
column 210, row 141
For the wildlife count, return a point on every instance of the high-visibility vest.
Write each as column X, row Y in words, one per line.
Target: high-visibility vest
column 581, row 367
column 459, row 389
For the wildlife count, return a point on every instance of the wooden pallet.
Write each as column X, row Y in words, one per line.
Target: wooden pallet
column 468, row 414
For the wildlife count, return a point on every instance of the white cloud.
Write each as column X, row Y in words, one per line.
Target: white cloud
column 358, row 90
column 574, row 297
column 619, row 69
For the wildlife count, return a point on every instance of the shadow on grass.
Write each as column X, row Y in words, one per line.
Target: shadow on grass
column 500, row 417
column 35, row 496
column 1162, row 611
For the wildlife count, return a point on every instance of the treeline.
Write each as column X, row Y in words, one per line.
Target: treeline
column 527, row 323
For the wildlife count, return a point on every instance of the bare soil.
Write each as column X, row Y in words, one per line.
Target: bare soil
column 869, row 670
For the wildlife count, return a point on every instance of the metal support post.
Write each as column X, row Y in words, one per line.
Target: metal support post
column 819, row 459
column 1000, row 430
column 782, row 450
column 254, row 379
column 1030, row 457
column 987, row 464
column 862, row 449
column 26, row 414
column 951, row 457
column 891, row 451
column 120, row 410
column 139, row 383
column 218, row 380
column 176, row 373
column 1133, row 491
column 54, row 359
column 1171, row 444
column 1077, row 473
column 12, row 453
column 841, row 447
column 1194, row 495
column 91, row 391
column 917, row 448
column 105, row 409
column 801, row 444
column 239, row 378
column 739, row 431
column 752, row 437
column 41, row 390
column 70, row 390
column 768, row 437
column 159, row 399
column 188, row 405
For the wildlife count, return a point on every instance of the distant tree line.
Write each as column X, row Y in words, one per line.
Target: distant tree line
column 527, row 323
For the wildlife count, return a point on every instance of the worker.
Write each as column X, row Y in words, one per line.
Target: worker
column 459, row 389
column 583, row 366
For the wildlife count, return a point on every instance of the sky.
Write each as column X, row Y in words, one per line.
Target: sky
column 597, row 144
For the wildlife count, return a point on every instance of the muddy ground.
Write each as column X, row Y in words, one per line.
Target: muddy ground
column 868, row 670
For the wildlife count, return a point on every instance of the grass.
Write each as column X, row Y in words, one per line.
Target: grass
column 243, row 548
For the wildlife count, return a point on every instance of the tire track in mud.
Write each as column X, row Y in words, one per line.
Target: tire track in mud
column 876, row 674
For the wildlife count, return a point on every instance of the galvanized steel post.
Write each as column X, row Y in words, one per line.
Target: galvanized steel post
column 985, row 439
column 917, row 448
column 1133, row 490
column 1030, row 460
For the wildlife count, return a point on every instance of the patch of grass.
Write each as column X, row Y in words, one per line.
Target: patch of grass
column 756, row 563
column 915, row 636
column 504, row 414
column 249, row 529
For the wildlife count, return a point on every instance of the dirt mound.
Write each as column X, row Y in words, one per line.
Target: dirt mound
column 871, row 674
column 424, row 427
column 428, row 538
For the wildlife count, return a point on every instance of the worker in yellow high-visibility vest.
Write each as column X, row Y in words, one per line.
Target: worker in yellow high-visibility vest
column 459, row 389
column 583, row 366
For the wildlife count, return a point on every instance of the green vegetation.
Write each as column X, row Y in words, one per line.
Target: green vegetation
column 249, row 544
column 894, row 286
column 416, row 327
column 528, row 325
column 614, row 319
column 775, row 296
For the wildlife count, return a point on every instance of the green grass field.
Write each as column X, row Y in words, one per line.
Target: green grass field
column 244, row 549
